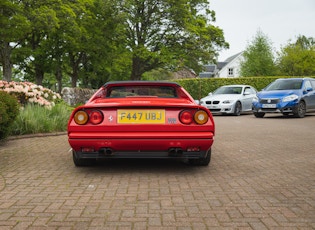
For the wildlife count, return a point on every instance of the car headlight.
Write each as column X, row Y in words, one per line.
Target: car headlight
column 227, row 102
column 201, row 102
column 290, row 98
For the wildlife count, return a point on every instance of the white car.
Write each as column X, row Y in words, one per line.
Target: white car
column 230, row 99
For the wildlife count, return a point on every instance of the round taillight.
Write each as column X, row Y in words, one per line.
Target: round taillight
column 201, row 117
column 186, row 117
column 81, row 117
column 96, row 117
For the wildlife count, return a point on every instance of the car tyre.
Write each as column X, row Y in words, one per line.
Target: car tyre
column 237, row 109
column 201, row 161
column 259, row 115
column 79, row 162
column 300, row 110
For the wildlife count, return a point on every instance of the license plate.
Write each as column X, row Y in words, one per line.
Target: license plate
column 269, row 106
column 141, row 116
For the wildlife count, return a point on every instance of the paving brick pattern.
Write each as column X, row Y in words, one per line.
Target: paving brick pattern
column 261, row 176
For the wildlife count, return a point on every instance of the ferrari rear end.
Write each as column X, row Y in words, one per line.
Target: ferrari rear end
column 141, row 120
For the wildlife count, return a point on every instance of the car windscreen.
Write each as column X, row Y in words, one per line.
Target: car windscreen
column 228, row 90
column 285, row 84
column 142, row 91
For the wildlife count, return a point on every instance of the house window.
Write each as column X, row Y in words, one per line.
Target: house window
column 231, row 72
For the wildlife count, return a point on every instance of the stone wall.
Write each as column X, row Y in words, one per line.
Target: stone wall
column 75, row 96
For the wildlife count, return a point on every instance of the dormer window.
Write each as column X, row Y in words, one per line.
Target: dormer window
column 231, row 72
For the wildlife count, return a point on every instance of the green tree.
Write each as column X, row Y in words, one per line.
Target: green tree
column 105, row 57
column 258, row 57
column 298, row 58
column 33, row 56
column 14, row 26
column 79, row 39
column 170, row 34
column 93, row 41
column 60, row 41
column 86, row 44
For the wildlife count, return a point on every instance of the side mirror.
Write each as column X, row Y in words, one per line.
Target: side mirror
column 210, row 94
column 309, row 89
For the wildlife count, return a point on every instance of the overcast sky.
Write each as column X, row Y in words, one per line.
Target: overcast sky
column 280, row 20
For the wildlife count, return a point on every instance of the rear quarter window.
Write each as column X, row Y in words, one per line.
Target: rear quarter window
column 307, row 85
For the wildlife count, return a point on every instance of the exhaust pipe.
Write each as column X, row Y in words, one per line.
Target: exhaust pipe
column 106, row 151
column 179, row 151
column 175, row 152
column 172, row 151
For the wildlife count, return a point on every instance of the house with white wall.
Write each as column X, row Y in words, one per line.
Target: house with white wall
column 226, row 69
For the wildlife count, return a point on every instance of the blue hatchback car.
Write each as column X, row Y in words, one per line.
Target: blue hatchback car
column 287, row 96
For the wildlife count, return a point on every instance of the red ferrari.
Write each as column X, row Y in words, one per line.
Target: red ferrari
column 141, row 119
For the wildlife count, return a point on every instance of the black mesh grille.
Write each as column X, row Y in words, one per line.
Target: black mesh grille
column 215, row 110
column 269, row 101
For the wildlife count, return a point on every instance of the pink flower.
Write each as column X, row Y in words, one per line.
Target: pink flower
column 31, row 93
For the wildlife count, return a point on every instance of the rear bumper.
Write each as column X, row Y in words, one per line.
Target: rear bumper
column 140, row 155
column 188, row 147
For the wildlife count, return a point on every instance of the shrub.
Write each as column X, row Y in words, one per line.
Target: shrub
column 9, row 109
column 42, row 109
column 27, row 92
column 34, row 118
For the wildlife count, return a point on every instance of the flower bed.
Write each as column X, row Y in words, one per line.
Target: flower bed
column 27, row 92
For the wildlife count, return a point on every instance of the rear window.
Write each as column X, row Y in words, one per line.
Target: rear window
column 141, row 91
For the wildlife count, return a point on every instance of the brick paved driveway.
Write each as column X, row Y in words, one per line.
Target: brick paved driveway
column 261, row 176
